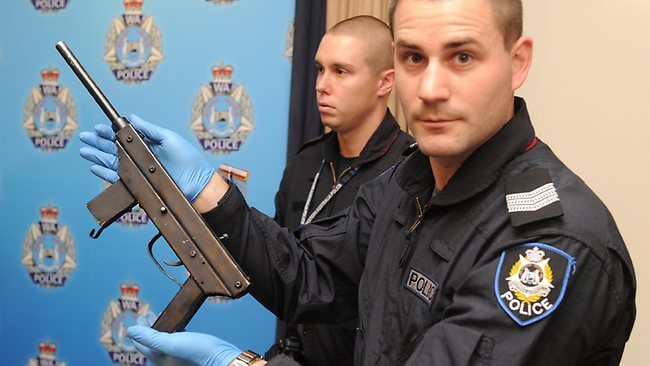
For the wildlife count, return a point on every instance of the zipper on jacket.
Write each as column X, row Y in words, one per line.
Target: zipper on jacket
column 333, row 173
column 420, row 213
column 418, row 221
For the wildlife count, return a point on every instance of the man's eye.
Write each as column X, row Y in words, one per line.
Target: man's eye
column 413, row 59
column 463, row 58
column 341, row 71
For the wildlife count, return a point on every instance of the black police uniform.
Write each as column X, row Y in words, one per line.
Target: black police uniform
column 514, row 262
column 323, row 344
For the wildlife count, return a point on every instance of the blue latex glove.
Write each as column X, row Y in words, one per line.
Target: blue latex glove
column 184, row 348
column 184, row 163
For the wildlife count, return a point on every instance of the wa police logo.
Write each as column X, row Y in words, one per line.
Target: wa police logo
column 222, row 113
column 49, row 6
column 50, row 113
column 49, row 251
column 133, row 47
column 46, row 356
column 120, row 315
column 530, row 282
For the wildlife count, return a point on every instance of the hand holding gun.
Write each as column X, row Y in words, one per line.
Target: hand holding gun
column 144, row 181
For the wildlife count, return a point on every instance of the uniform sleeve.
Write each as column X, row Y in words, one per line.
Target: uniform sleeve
column 281, row 201
column 512, row 310
column 311, row 278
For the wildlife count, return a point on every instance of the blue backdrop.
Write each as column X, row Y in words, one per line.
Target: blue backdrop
column 252, row 36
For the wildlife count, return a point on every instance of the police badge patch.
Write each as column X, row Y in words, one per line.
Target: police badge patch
column 133, row 47
column 46, row 356
column 120, row 315
column 531, row 280
column 49, row 6
column 49, row 251
column 50, row 113
column 222, row 113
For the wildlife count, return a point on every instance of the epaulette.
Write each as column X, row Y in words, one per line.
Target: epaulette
column 531, row 196
column 410, row 149
column 313, row 141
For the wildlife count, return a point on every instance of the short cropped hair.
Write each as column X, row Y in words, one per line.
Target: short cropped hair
column 375, row 35
column 508, row 15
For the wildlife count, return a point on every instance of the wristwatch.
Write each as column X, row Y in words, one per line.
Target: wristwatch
column 245, row 358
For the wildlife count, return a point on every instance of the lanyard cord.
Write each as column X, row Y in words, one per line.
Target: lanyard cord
column 304, row 220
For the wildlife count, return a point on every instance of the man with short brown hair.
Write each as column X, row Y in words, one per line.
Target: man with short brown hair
column 480, row 248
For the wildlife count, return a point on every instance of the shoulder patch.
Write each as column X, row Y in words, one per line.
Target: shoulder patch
column 531, row 196
column 531, row 280
column 410, row 149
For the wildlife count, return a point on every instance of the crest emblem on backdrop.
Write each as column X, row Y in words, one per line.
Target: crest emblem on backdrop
column 46, row 356
column 133, row 46
column 50, row 6
column 50, row 113
column 121, row 314
column 222, row 113
column 49, row 250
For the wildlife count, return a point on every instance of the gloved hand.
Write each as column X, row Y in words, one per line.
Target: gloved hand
column 184, row 163
column 184, row 348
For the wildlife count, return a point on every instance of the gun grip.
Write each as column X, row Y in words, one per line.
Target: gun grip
column 182, row 308
column 111, row 204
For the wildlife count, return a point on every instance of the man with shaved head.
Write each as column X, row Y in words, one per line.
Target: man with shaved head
column 480, row 248
column 355, row 77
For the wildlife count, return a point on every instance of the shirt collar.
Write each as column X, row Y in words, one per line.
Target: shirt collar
column 378, row 144
column 480, row 170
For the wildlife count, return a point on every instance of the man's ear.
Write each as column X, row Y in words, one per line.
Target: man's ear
column 386, row 81
column 521, row 55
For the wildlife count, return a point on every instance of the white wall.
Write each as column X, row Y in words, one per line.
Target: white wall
column 589, row 96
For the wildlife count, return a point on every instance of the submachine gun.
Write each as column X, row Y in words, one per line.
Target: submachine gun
column 144, row 181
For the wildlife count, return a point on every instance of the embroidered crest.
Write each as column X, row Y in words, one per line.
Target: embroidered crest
column 49, row 250
column 531, row 196
column 222, row 113
column 46, row 356
column 531, row 280
column 120, row 315
column 421, row 285
column 50, row 113
column 133, row 46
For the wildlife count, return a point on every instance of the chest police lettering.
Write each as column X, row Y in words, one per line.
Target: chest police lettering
column 421, row 285
column 529, row 290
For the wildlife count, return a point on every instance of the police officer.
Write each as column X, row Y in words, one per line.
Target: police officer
column 481, row 248
column 355, row 77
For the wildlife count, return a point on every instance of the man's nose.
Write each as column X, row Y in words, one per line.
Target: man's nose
column 322, row 83
column 434, row 84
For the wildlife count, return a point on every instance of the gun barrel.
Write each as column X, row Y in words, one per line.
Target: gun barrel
column 93, row 89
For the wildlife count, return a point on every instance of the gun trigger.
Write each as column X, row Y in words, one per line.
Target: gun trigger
column 172, row 264
column 155, row 261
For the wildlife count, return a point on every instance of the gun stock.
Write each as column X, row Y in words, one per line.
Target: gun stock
column 144, row 181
